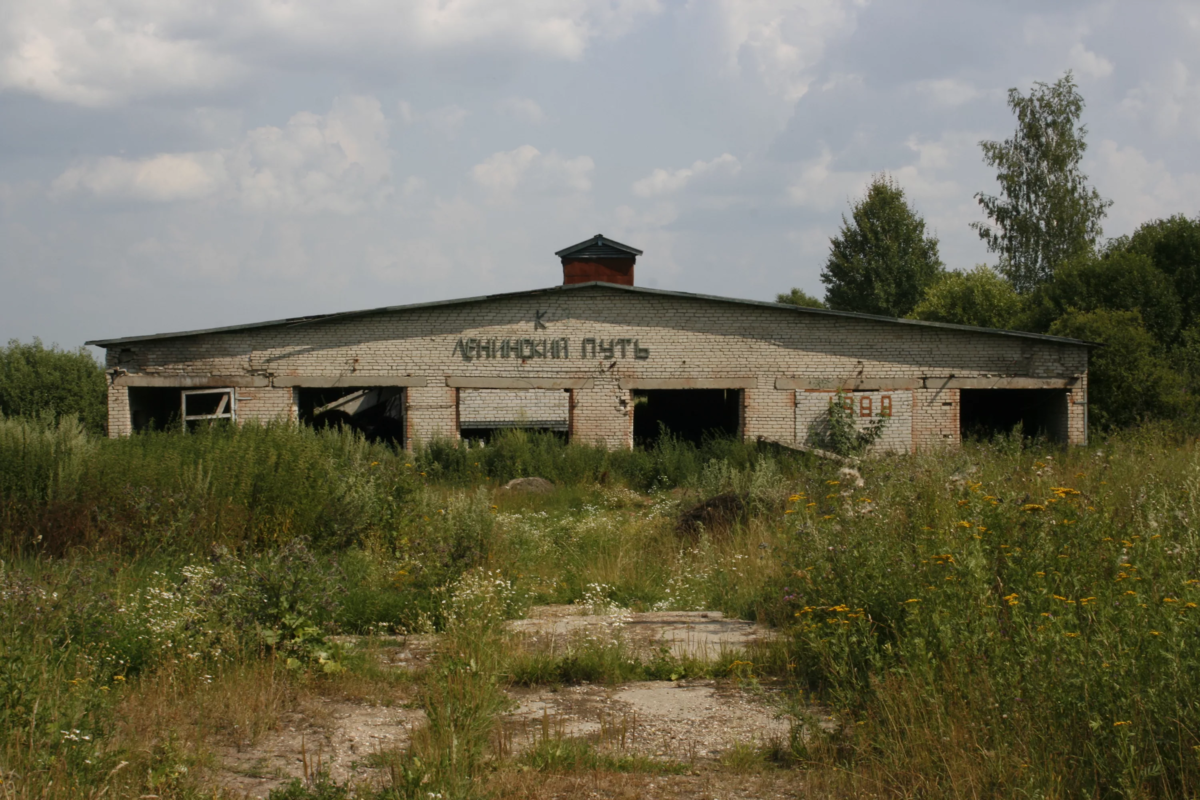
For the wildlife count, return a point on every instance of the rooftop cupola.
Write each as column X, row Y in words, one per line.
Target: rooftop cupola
column 598, row 259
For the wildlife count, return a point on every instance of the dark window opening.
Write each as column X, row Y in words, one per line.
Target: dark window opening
column 153, row 408
column 984, row 413
column 377, row 412
column 209, row 407
column 485, row 436
column 689, row 414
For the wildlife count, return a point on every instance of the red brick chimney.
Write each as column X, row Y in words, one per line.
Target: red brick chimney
column 598, row 259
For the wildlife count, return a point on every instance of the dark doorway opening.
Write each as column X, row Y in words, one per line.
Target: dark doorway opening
column 690, row 414
column 376, row 412
column 984, row 413
column 153, row 408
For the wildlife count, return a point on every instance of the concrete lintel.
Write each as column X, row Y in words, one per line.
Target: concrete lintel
column 463, row 382
column 689, row 383
column 348, row 381
column 848, row 384
column 1000, row 383
column 193, row 381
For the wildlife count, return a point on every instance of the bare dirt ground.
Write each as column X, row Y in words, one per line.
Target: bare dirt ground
column 704, row 635
column 333, row 735
column 693, row 721
column 685, row 721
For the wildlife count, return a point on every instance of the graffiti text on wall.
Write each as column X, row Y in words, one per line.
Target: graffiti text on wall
column 525, row 349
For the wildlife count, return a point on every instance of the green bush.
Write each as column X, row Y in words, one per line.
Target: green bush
column 37, row 380
column 1129, row 379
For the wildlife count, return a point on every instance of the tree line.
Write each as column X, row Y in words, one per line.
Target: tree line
column 1054, row 273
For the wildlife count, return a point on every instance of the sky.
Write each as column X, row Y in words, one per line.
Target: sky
column 173, row 164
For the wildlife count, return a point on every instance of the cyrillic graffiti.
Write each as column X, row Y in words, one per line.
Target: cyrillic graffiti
column 526, row 349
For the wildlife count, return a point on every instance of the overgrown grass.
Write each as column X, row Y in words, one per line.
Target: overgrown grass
column 1006, row 619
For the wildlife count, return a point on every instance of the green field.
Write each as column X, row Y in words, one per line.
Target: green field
column 1011, row 619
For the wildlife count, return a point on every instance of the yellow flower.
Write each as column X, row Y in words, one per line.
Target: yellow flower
column 1033, row 507
column 963, row 524
column 913, row 600
column 1155, row 633
column 793, row 498
column 810, row 505
column 832, row 483
column 790, row 511
column 1123, row 722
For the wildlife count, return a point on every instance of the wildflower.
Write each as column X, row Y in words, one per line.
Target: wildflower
column 1123, row 722
column 374, row 463
column 790, row 511
column 810, row 505
column 913, row 600
column 1155, row 633
column 962, row 523
column 832, row 483
column 1040, row 574
column 1033, row 507
column 1189, row 605
column 1012, row 599
column 1170, row 600
column 794, row 498
column 1072, row 635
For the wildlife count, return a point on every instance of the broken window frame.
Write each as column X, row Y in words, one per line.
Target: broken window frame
column 226, row 408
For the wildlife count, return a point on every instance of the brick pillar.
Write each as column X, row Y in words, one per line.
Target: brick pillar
column 603, row 415
column 432, row 412
column 935, row 419
column 120, row 422
column 1077, row 421
column 769, row 413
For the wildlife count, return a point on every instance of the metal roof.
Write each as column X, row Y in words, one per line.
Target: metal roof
column 599, row 246
column 576, row 287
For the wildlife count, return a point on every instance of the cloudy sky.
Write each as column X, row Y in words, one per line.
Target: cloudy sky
column 174, row 164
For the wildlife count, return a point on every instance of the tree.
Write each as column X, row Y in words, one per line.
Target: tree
column 1173, row 244
column 881, row 262
column 1129, row 380
column 1117, row 281
column 35, row 379
column 799, row 297
column 979, row 297
column 1046, row 213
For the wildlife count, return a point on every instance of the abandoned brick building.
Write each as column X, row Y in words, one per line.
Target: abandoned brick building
column 599, row 360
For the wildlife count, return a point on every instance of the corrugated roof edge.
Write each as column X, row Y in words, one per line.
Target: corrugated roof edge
column 296, row 321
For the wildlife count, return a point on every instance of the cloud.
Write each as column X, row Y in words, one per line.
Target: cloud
column 103, row 52
column 1170, row 100
column 164, row 178
column 338, row 162
column 947, row 91
column 782, row 41
column 1087, row 63
column 446, row 120
column 662, row 182
column 1144, row 189
column 528, row 168
column 522, row 108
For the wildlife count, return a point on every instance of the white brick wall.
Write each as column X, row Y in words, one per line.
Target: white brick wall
column 500, row 408
column 606, row 339
column 867, row 407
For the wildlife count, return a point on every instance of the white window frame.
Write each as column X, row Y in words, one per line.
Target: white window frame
column 226, row 409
